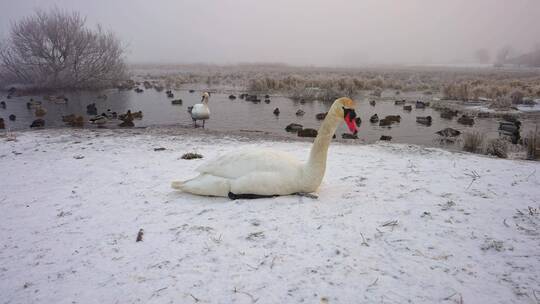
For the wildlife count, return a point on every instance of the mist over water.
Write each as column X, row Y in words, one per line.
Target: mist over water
column 306, row 32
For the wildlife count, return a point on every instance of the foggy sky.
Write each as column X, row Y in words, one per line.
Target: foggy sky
column 304, row 32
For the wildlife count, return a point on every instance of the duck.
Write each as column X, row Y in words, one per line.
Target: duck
column 33, row 103
column 38, row 123
column 258, row 173
column 137, row 115
column 200, row 111
column 40, row 112
column 127, row 119
column 91, row 109
column 99, row 120
column 424, row 120
column 320, row 116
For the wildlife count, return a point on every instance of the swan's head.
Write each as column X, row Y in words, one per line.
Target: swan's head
column 343, row 108
column 205, row 97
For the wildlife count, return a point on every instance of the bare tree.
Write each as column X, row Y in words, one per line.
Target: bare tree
column 503, row 54
column 55, row 49
column 482, row 55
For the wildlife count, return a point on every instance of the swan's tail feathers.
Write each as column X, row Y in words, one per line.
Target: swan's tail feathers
column 177, row 185
column 204, row 184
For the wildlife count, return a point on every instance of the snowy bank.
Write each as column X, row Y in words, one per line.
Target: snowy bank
column 393, row 224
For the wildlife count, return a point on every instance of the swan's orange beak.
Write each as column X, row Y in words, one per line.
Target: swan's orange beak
column 349, row 118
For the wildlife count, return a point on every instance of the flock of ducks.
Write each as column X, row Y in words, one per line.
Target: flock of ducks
column 198, row 112
column 74, row 120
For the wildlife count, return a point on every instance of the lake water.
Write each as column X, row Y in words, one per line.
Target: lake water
column 238, row 114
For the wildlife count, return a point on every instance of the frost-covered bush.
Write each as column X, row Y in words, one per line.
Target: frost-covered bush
column 56, row 50
column 533, row 145
column 497, row 147
column 517, row 96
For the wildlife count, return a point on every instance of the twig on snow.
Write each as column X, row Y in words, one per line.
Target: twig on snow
column 373, row 284
column 474, row 175
column 450, row 296
column 194, row 298
column 364, row 240
column 253, row 299
column 390, row 223
column 272, row 263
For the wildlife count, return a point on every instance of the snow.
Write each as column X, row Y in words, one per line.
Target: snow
column 392, row 224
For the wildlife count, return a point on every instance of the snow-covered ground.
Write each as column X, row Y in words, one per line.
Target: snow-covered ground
column 393, row 224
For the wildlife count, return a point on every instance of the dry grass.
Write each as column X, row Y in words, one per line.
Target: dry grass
column 473, row 141
column 533, row 145
column 497, row 147
column 324, row 83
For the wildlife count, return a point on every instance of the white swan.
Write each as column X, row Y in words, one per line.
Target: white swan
column 263, row 173
column 200, row 111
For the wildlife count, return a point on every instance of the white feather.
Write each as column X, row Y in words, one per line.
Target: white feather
column 200, row 111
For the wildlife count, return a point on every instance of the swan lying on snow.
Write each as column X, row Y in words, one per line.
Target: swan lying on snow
column 263, row 173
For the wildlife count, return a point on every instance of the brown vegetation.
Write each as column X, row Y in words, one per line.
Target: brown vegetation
column 497, row 147
column 472, row 142
column 533, row 145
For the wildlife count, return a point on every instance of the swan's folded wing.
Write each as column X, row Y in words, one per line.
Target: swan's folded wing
column 240, row 163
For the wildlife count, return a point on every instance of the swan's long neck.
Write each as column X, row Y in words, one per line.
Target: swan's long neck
column 315, row 167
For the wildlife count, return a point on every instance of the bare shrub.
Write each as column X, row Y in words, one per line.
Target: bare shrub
column 533, row 145
column 377, row 92
column 456, row 91
column 501, row 103
column 517, row 96
column 478, row 92
column 497, row 147
column 472, row 142
column 54, row 49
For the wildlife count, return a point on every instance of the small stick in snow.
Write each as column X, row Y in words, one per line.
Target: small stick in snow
column 252, row 267
column 504, row 222
column 390, row 223
column 272, row 263
column 474, row 175
column 450, row 296
column 140, row 235
column 373, row 284
column 253, row 299
column 194, row 298
column 364, row 240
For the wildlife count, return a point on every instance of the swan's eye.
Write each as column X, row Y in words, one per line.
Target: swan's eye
column 350, row 112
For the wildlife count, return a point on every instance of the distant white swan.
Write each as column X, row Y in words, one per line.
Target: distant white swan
column 200, row 111
column 262, row 173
